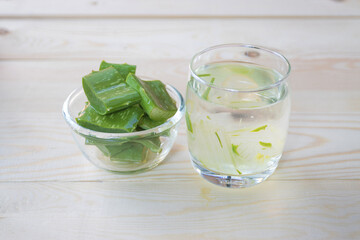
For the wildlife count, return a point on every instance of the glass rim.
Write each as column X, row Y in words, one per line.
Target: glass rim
column 243, row 45
column 174, row 120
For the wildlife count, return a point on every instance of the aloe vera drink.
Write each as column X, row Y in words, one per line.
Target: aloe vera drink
column 237, row 124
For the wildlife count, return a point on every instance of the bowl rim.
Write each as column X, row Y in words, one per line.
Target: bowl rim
column 174, row 120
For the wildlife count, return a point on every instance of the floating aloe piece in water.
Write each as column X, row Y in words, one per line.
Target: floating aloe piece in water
column 265, row 144
column 260, row 128
column 155, row 100
column 107, row 92
column 234, row 149
column 118, row 122
column 207, row 91
column 188, row 122
column 123, row 69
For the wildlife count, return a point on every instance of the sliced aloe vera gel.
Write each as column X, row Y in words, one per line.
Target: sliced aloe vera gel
column 118, row 122
column 110, row 148
column 146, row 123
column 129, row 152
column 107, row 91
column 120, row 102
column 132, row 153
column 155, row 100
column 123, row 69
column 153, row 144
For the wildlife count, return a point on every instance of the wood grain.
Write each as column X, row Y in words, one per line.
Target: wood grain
column 331, row 83
column 185, row 8
column 185, row 210
column 39, row 147
column 48, row 190
column 127, row 39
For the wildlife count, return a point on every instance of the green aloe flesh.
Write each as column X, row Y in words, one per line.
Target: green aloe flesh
column 155, row 100
column 188, row 122
column 265, row 144
column 123, row 69
column 130, row 152
column 119, row 102
column 204, row 75
column 207, row 91
column 217, row 135
column 133, row 153
column 234, row 149
column 146, row 122
column 107, row 91
column 259, row 128
column 118, row 122
column 153, row 144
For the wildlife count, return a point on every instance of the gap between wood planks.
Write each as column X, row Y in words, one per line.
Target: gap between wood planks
column 71, row 17
column 167, row 182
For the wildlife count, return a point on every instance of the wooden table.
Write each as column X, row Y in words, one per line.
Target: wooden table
column 48, row 190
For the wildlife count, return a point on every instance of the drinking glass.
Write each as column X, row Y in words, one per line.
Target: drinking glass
column 237, row 113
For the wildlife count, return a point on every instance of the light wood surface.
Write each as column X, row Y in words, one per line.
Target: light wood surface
column 180, row 210
column 48, row 190
column 184, row 8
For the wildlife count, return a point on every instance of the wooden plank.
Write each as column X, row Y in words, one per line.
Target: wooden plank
column 174, row 38
column 185, row 8
column 39, row 147
column 318, row 85
column 179, row 210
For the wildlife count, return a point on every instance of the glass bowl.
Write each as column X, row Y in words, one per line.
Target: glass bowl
column 124, row 153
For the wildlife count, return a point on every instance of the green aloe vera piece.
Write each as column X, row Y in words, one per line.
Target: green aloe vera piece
column 188, row 122
column 265, row 144
column 260, row 128
column 98, row 141
column 207, row 91
column 107, row 92
column 131, row 152
column 118, row 122
column 146, row 122
column 155, row 100
column 153, row 144
column 123, row 69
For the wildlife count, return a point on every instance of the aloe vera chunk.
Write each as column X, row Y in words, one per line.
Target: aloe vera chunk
column 123, row 69
column 155, row 100
column 107, row 92
column 118, row 122
column 113, row 150
column 146, row 123
column 153, row 144
column 131, row 153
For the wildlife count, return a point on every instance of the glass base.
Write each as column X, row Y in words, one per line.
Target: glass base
column 242, row 181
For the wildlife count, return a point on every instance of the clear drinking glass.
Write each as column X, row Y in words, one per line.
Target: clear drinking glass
column 237, row 113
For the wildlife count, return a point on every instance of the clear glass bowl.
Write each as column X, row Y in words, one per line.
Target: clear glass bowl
column 112, row 151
